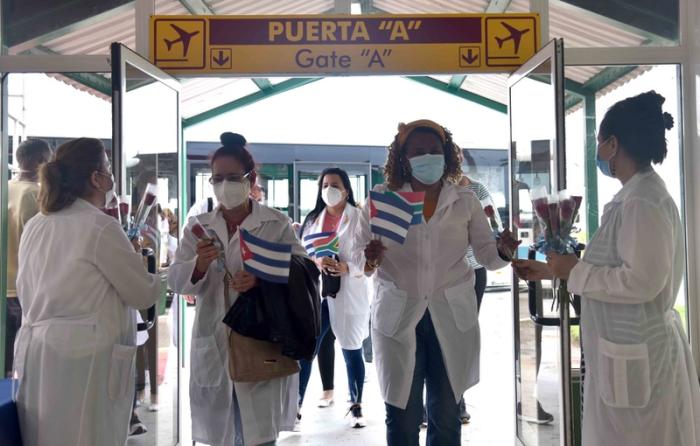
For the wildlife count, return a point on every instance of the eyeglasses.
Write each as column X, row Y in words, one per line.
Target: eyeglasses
column 233, row 178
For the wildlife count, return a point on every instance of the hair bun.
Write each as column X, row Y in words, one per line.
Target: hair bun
column 232, row 139
column 668, row 120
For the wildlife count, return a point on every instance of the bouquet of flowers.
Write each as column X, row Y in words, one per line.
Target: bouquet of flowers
column 147, row 202
column 556, row 215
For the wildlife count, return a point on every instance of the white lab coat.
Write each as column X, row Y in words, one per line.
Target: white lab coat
column 641, row 386
column 427, row 273
column 78, row 276
column 349, row 310
column 267, row 407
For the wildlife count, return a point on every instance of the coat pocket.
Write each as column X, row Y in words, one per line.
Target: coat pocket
column 623, row 374
column 462, row 302
column 207, row 365
column 120, row 371
column 388, row 309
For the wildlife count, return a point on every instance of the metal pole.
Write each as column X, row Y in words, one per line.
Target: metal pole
column 565, row 362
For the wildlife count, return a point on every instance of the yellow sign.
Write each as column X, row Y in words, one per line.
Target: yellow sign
column 343, row 45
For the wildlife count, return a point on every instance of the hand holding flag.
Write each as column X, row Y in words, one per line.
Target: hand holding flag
column 265, row 260
column 390, row 215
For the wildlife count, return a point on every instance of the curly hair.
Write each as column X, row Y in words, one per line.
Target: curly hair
column 397, row 170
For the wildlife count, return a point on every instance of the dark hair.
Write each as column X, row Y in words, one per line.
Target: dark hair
column 233, row 145
column 67, row 176
column 32, row 152
column 639, row 125
column 320, row 204
column 396, row 170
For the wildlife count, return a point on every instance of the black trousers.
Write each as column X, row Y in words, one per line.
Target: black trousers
column 479, row 285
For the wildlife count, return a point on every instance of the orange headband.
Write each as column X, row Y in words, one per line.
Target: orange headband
column 406, row 129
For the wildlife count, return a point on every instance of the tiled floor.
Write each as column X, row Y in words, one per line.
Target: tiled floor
column 490, row 402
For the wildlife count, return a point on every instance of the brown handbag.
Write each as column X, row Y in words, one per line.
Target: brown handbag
column 252, row 360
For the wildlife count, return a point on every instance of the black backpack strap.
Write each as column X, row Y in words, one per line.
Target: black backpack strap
column 210, row 204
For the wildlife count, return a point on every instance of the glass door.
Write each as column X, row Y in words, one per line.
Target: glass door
column 306, row 184
column 147, row 151
column 542, row 329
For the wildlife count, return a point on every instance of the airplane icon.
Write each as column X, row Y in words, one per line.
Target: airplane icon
column 184, row 37
column 515, row 35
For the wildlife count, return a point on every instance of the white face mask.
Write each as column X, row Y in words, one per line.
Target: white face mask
column 110, row 194
column 331, row 196
column 232, row 194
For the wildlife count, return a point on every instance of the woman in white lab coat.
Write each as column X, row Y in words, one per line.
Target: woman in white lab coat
column 223, row 412
column 348, row 310
column 78, row 277
column 424, row 316
column 641, row 386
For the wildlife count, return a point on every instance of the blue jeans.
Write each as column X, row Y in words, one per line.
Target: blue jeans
column 305, row 366
column 355, row 365
column 444, row 425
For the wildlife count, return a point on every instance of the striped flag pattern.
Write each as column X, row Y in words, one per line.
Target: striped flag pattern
column 415, row 200
column 390, row 216
column 322, row 244
column 265, row 260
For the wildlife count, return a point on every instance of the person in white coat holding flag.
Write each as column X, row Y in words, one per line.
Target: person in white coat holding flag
column 79, row 281
column 641, row 387
column 346, row 310
column 425, row 330
column 225, row 413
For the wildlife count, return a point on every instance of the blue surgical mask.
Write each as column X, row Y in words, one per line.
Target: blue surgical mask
column 604, row 165
column 427, row 169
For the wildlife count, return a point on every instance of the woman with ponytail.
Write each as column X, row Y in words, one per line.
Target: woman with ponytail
column 227, row 413
column 641, row 387
column 79, row 278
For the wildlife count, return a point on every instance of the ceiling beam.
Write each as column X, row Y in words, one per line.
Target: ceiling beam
column 262, row 83
column 276, row 89
column 94, row 81
column 197, row 7
column 456, row 81
column 464, row 94
column 497, row 6
column 44, row 38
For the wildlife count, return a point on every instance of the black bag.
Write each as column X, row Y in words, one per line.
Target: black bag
column 330, row 284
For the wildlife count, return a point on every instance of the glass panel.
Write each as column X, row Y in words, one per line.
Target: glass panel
column 665, row 80
column 150, row 155
column 37, row 109
column 533, row 135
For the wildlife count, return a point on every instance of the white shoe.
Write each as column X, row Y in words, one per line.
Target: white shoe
column 153, row 407
column 297, row 423
column 356, row 419
column 326, row 400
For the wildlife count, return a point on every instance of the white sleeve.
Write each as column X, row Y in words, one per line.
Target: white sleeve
column 124, row 268
column 481, row 238
column 645, row 244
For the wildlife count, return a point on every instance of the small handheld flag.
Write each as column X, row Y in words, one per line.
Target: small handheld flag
column 322, row 244
column 265, row 260
column 390, row 216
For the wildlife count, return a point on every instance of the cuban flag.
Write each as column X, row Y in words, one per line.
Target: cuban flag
column 322, row 244
column 265, row 260
column 415, row 200
column 389, row 216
